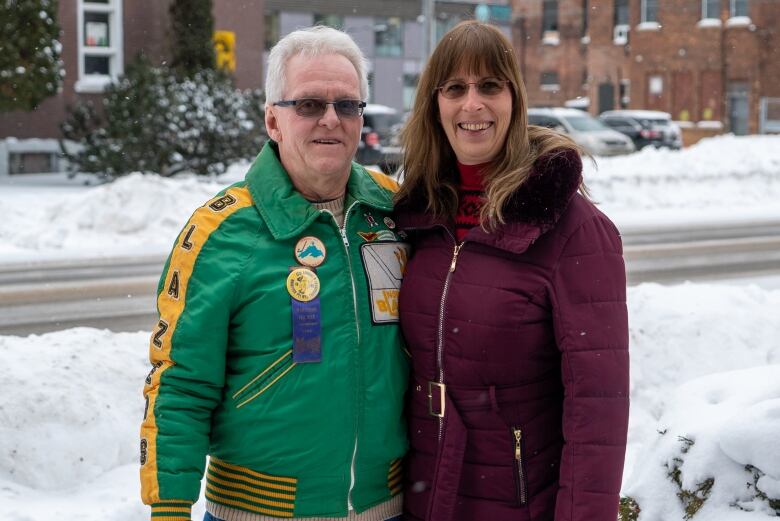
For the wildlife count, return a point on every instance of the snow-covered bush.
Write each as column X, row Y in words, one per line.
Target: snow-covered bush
column 30, row 65
column 715, row 456
column 151, row 120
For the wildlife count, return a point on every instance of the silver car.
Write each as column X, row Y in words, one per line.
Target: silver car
column 588, row 132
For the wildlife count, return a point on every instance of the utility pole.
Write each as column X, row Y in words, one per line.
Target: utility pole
column 429, row 27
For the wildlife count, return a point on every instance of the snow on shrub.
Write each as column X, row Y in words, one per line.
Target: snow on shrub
column 152, row 120
column 714, row 455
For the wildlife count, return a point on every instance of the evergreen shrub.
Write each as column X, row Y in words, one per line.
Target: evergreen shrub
column 153, row 120
column 30, row 65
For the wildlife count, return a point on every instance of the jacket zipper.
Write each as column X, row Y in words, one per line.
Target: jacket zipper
column 440, row 343
column 522, row 493
column 345, row 240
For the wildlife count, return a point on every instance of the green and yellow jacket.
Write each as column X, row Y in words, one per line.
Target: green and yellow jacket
column 284, row 439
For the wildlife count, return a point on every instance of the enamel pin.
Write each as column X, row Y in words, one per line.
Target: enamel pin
column 303, row 284
column 310, row 251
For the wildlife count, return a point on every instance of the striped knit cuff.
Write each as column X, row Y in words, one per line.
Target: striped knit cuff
column 171, row 510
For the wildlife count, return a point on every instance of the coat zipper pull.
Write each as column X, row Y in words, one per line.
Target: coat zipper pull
column 455, row 256
column 522, row 492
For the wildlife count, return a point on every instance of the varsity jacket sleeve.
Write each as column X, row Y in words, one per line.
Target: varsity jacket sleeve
column 591, row 328
column 188, row 351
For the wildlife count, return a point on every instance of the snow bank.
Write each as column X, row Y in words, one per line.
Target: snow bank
column 682, row 332
column 70, row 415
column 138, row 210
column 70, row 400
column 724, row 171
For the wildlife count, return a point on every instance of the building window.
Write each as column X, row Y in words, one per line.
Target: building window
column 620, row 16
column 271, row 29
column 649, row 11
column 585, row 13
column 32, row 163
column 710, row 9
column 738, row 8
column 410, row 89
column 624, row 93
column 388, row 36
column 620, row 22
column 655, row 85
column 330, row 20
column 99, row 44
column 550, row 22
column 549, row 81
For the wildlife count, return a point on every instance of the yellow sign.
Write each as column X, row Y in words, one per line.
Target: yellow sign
column 225, row 46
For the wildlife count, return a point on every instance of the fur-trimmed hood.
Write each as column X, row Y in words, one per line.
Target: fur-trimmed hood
column 544, row 197
column 531, row 211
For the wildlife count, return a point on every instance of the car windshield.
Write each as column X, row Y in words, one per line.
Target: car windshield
column 649, row 122
column 585, row 124
column 382, row 123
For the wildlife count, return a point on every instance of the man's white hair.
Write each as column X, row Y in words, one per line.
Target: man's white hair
column 312, row 42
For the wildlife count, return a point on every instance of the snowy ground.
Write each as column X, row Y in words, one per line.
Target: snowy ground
column 705, row 358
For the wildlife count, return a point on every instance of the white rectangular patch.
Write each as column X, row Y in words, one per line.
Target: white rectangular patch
column 385, row 264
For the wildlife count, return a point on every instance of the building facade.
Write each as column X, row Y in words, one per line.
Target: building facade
column 390, row 33
column 706, row 62
column 98, row 38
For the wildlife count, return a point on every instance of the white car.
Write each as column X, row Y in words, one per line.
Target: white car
column 591, row 134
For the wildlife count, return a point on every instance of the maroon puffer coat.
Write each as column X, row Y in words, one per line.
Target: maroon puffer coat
column 519, row 404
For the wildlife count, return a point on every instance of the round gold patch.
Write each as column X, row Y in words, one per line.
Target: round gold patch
column 303, row 284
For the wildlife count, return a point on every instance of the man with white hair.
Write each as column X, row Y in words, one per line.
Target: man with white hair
column 277, row 354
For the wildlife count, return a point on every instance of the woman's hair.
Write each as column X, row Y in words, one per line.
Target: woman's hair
column 429, row 163
column 312, row 42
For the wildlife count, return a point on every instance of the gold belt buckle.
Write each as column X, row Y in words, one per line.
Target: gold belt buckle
column 442, row 389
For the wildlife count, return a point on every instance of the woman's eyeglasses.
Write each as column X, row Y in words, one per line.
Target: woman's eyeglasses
column 454, row 89
column 316, row 108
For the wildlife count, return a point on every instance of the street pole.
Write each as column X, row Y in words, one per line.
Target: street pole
column 429, row 30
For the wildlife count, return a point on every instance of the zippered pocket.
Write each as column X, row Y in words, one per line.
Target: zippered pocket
column 521, row 487
column 265, row 380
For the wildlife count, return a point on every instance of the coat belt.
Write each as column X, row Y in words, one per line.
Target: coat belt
column 449, row 463
column 446, row 403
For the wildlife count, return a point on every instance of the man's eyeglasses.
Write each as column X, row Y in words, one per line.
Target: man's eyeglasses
column 316, row 108
column 454, row 89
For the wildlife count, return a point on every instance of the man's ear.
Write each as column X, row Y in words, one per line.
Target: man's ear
column 272, row 124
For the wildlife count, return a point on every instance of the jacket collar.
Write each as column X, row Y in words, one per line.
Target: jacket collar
column 531, row 211
column 286, row 212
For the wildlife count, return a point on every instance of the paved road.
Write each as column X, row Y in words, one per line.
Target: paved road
column 119, row 293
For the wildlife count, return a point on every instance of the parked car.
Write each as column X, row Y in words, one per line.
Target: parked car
column 590, row 133
column 645, row 127
column 379, row 139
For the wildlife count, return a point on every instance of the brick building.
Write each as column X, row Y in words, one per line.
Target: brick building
column 700, row 60
column 98, row 37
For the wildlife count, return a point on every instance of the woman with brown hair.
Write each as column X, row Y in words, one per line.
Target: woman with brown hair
column 513, row 304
